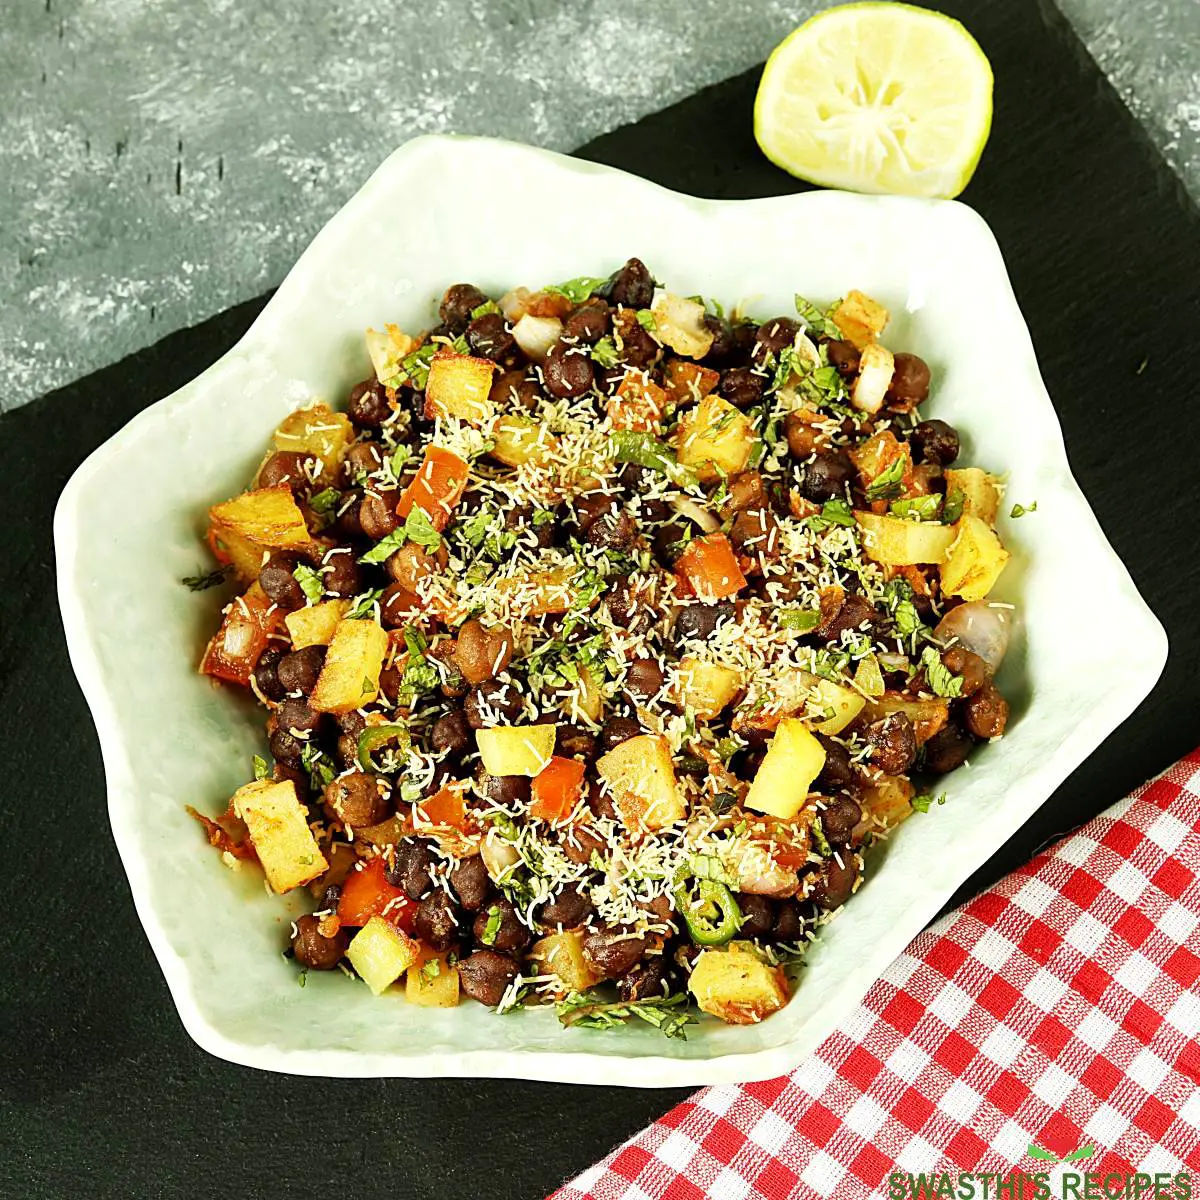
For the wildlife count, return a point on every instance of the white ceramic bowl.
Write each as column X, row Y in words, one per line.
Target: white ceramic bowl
column 441, row 210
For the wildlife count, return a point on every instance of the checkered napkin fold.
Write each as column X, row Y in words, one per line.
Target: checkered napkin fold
column 1050, row 1026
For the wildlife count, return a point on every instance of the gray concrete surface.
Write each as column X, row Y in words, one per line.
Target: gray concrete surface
column 162, row 161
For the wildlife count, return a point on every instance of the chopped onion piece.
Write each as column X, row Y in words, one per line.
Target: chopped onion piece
column 874, row 378
column 979, row 627
column 697, row 513
column 535, row 335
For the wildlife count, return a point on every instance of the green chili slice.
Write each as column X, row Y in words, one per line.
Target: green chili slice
column 710, row 911
column 375, row 736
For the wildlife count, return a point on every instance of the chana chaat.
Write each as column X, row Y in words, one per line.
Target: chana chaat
column 598, row 637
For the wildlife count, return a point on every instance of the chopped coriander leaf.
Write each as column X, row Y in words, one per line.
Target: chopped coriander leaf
column 201, row 583
column 460, row 346
column 261, row 770
column 310, row 581
column 922, row 508
column 802, row 619
column 605, row 352
column 432, row 969
column 1019, row 510
column 543, row 516
column 667, row 1014
column 488, row 306
column 577, row 290
column 814, row 318
column 941, row 679
column 645, row 318
column 953, row 507
column 325, row 501
column 646, row 451
column 886, row 484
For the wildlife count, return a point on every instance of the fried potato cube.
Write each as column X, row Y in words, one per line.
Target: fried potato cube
column 539, row 592
column 785, row 777
column 381, row 953
column 679, row 323
column 734, row 984
column 974, row 561
column 315, row 624
column 251, row 524
column 641, row 777
column 980, row 492
column 887, row 802
column 319, row 432
column 897, row 543
column 561, row 954
column 841, row 704
column 705, row 689
column 714, row 439
column 459, row 386
column 279, row 833
column 860, row 318
column 519, row 439
column 431, row 982
column 350, row 677
column 516, row 749
column 639, row 404
column 687, row 381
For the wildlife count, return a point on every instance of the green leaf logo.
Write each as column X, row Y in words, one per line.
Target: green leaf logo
column 1049, row 1156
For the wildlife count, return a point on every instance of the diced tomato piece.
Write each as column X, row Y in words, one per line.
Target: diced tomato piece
column 445, row 807
column 234, row 650
column 438, row 486
column 366, row 893
column 710, row 567
column 555, row 789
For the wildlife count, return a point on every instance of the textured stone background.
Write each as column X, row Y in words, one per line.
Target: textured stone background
column 162, row 161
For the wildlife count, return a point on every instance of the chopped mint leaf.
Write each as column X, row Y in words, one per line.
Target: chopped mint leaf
column 201, row 583
column 488, row 937
column 400, row 456
column 922, row 802
column 814, row 318
column 953, row 507
column 923, row 508
column 325, row 501
column 577, row 290
column 645, row 318
column 941, row 679
column 488, row 306
column 605, row 352
column 364, row 605
column 310, row 581
column 833, row 512
column 385, row 547
column 1019, row 510
column 419, row 528
column 261, row 770
column 886, row 484
column 668, row 1014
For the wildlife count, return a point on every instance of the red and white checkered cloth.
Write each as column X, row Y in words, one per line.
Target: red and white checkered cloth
column 1061, row 1009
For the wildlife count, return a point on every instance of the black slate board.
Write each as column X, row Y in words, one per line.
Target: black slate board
column 101, row 1091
